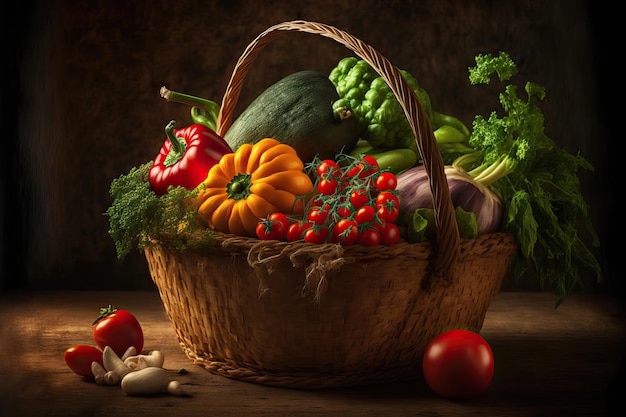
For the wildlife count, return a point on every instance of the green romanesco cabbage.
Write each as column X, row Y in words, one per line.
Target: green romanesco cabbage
column 382, row 121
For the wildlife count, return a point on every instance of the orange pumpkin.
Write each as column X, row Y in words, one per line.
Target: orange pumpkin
column 254, row 181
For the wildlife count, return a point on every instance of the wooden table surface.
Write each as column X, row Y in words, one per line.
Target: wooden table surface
column 549, row 362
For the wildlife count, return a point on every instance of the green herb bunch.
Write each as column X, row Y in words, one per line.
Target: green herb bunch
column 536, row 180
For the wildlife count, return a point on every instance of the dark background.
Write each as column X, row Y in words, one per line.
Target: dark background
column 81, row 104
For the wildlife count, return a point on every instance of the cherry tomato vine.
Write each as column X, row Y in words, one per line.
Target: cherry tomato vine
column 353, row 202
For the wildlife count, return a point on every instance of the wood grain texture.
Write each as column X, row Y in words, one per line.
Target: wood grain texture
column 549, row 362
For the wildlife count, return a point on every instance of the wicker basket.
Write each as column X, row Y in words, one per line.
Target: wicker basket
column 319, row 316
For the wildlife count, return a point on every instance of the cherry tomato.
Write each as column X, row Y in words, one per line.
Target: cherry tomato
column 118, row 329
column 458, row 364
column 387, row 198
column 370, row 167
column 273, row 229
column 352, row 173
column 80, row 357
column 387, row 206
column 296, row 230
column 370, row 236
column 317, row 215
column 345, row 232
column 280, row 217
column 359, row 198
column 365, row 214
column 328, row 167
column 386, row 181
column 389, row 234
column 387, row 213
column 345, row 210
column 366, row 167
column 316, row 235
column 327, row 186
column 370, row 164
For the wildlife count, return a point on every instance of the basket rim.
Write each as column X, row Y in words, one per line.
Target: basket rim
column 204, row 240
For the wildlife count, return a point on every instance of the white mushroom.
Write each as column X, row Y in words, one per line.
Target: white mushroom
column 98, row 372
column 112, row 378
column 174, row 388
column 147, row 381
column 155, row 358
column 131, row 351
column 113, row 363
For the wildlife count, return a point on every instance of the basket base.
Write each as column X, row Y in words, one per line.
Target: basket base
column 370, row 324
column 312, row 380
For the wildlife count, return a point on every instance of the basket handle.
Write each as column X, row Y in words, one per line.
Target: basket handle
column 448, row 239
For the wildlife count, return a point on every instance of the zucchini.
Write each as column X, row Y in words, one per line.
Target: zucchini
column 298, row 111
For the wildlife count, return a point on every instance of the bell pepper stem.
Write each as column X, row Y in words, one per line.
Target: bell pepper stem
column 169, row 132
column 210, row 106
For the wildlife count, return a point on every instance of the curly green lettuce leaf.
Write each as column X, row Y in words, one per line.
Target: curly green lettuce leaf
column 137, row 213
column 421, row 224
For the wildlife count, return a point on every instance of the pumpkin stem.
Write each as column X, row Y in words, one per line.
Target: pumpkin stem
column 239, row 187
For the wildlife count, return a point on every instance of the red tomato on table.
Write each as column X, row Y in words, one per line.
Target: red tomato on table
column 118, row 329
column 80, row 357
column 458, row 364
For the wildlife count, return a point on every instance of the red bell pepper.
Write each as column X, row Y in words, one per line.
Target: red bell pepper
column 186, row 157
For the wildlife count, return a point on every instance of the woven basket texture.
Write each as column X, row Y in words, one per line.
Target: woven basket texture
column 368, row 320
column 322, row 316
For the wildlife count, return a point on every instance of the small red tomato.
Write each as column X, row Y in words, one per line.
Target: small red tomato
column 370, row 167
column 370, row 164
column 389, row 234
column 370, row 236
column 365, row 168
column 316, row 235
column 458, row 364
column 296, row 230
column 273, row 227
column 387, row 198
column 359, row 198
column 118, row 329
column 80, row 357
column 317, row 215
column 281, row 228
column 387, row 213
column 345, row 232
column 280, row 217
column 345, row 209
column 386, row 181
column 352, row 173
column 327, row 168
column 327, row 186
column 365, row 214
